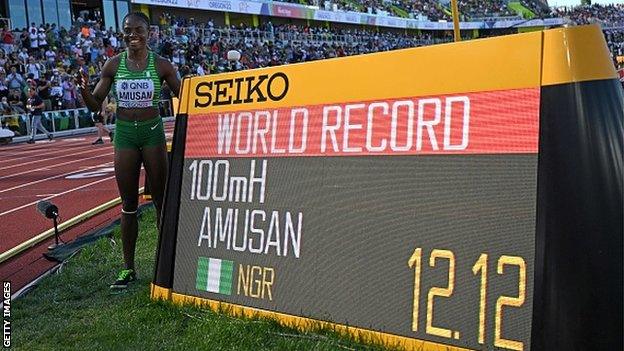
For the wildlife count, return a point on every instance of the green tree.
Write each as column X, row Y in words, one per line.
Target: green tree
column 585, row 2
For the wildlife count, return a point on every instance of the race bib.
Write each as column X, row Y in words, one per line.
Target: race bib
column 135, row 93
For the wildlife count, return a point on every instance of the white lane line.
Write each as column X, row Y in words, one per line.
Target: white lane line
column 56, row 195
column 169, row 127
column 55, row 166
column 46, row 159
column 34, row 148
column 54, row 177
column 107, row 164
column 19, row 155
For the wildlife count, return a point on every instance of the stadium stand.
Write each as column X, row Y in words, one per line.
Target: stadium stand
column 538, row 7
column 484, row 9
column 47, row 57
column 400, row 8
column 607, row 15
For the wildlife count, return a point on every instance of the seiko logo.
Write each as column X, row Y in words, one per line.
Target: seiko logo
column 242, row 90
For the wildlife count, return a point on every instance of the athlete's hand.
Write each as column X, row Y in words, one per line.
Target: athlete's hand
column 81, row 79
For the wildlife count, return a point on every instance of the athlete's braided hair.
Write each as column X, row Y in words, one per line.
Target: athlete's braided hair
column 139, row 15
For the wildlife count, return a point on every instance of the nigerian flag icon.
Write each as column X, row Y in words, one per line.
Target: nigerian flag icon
column 214, row 275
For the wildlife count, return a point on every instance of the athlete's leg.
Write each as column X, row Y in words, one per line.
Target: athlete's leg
column 155, row 161
column 127, row 171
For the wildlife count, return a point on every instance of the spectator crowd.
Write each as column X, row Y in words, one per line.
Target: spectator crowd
column 400, row 8
column 607, row 15
column 484, row 9
column 202, row 49
column 47, row 58
column 432, row 9
column 474, row 9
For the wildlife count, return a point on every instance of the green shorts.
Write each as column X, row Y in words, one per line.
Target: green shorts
column 139, row 134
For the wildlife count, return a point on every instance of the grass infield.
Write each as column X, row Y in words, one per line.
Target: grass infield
column 74, row 310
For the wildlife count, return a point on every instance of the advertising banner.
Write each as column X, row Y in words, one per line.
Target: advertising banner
column 342, row 17
column 394, row 22
column 282, row 10
column 240, row 6
column 305, row 12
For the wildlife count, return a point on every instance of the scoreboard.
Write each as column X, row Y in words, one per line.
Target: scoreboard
column 401, row 194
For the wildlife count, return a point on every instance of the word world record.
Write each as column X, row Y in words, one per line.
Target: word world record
column 468, row 123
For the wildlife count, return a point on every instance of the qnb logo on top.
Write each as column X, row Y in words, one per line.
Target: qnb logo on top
column 135, row 93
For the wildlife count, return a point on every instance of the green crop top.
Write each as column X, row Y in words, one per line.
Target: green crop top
column 137, row 89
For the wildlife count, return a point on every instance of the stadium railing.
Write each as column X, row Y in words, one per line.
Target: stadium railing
column 62, row 122
column 483, row 18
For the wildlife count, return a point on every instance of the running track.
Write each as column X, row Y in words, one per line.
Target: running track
column 69, row 172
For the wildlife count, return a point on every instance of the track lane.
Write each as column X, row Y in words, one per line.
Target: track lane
column 22, row 187
column 43, row 159
column 11, row 186
column 8, row 160
column 26, row 149
column 54, row 166
column 24, row 222
column 45, row 197
column 44, row 177
column 50, row 164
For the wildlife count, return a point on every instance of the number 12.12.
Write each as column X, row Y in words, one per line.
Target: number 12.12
column 479, row 268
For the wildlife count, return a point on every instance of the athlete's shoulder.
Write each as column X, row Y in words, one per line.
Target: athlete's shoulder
column 111, row 65
column 161, row 59
column 163, row 65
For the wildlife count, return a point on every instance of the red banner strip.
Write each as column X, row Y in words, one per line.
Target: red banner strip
column 495, row 122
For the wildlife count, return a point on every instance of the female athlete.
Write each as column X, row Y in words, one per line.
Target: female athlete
column 135, row 76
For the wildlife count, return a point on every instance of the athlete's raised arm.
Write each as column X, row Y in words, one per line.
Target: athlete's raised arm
column 94, row 99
